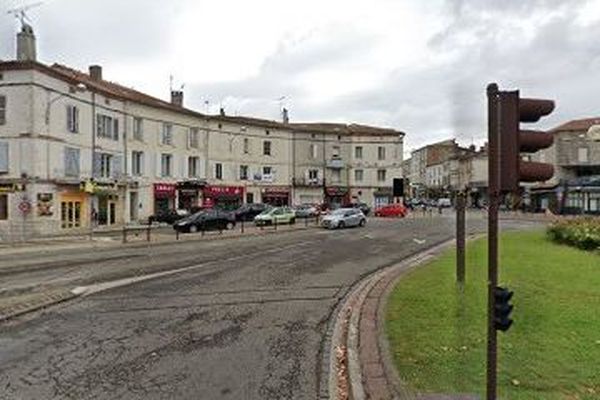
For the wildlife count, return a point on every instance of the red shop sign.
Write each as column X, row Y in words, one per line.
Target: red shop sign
column 215, row 191
column 164, row 189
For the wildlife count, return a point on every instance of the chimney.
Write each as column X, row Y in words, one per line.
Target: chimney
column 96, row 72
column 177, row 98
column 26, row 44
column 285, row 116
column 222, row 111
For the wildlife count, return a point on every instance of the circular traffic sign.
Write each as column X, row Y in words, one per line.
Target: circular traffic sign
column 24, row 206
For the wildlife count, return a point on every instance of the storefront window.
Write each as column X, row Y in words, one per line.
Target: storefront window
column 3, row 206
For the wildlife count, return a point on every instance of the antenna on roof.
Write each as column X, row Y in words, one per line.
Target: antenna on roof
column 170, row 83
column 19, row 12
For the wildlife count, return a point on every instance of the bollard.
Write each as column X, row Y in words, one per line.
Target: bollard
column 242, row 225
column 202, row 230
column 306, row 222
column 176, row 234
column 275, row 222
column 148, row 233
column 124, row 234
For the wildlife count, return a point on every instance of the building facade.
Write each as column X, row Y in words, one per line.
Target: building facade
column 78, row 151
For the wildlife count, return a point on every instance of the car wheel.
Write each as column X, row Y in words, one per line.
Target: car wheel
column 341, row 225
column 193, row 229
column 292, row 221
column 362, row 222
column 229, row 226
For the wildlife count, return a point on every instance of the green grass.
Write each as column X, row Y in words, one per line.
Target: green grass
column 552, row 351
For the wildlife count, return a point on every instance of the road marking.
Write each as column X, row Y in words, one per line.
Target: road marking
column 419, row 241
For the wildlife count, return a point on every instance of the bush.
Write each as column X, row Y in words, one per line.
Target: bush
column 583, row 233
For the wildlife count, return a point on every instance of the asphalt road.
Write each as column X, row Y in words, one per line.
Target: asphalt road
column 247, row 323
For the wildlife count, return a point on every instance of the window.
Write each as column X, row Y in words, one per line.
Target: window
column 166, row 165
column 72, row 119
column 313, row 175
column 193, row 138
column 72, row 162
column 2, row 110
column 218, row 171
column 3, row 207
column 246, row 146
column 4, row 160
column 358, row 175
column 249, row 198
column 167, row 134
column 267, row 147
column 243, row 172
column 336, row 151
column 336, row 175
column 381, row 153
column 358, row 152
column 107, row 127
column 582, row 154
column 137, row 163
column 268, row 171
column 193, row 167
column 381, row 175
column 138, row 129
column 106, row 165
column 313, row 151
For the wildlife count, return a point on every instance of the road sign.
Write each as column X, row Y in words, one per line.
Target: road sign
column 24, row 206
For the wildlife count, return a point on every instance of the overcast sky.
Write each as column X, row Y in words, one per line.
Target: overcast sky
column 414, row 65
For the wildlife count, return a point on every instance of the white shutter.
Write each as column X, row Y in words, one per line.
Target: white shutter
column 4, row 157
column 117, row 166
column 157, row 163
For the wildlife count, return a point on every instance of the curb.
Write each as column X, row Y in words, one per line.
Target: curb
column 39, row 302
column 357, row 369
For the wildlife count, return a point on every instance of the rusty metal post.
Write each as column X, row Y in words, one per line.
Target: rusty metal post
column 176, row 234
column 460, row 238
column 242, row 224
column 124, row 234
column 494, row 196
column 148, row 233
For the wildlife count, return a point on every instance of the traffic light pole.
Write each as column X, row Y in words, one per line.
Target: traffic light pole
column 460, row 238
column 494, row 197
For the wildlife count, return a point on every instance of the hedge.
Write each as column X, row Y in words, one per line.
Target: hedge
column 583, row 233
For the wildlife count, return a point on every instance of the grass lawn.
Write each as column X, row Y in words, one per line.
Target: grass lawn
column 552, row 351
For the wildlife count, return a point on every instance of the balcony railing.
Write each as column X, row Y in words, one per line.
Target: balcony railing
column 307, row 182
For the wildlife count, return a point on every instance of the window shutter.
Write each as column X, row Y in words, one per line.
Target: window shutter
column 116, row 129
column 69, row 118
column 117, row 166
column 97, row 165
column 158, row 158
column 4, row 157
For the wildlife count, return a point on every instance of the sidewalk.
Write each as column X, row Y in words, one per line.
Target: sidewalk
column 361, row 365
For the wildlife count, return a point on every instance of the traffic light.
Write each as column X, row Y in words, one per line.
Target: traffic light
column 398, row 187
column 514, row 140
column 502, row 308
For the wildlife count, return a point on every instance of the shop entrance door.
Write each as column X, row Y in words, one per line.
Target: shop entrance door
column 70, row 214
column 107, row 210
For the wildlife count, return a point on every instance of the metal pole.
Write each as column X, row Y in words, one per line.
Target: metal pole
column 493, row 194
column 460, row 238
column 124, row 234
column 242, row 225
column 148, row 232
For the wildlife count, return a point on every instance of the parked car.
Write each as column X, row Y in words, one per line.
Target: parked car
column 343, row 218
column 167, row 216
column 276, row 215
column 208, row 220
column 247, row 212
column 307, row 211
column 444, row 202
column 392, row 210
column 361, row 206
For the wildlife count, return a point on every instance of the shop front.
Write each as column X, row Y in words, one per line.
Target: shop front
column 73, row 206
column 276, row 196
column 107, row 207
column 189, row 194
column 223, row 197
column 382, row 197
column 336, row 196
column 164, row 196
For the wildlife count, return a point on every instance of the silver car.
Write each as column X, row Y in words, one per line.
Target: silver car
column 343, row 218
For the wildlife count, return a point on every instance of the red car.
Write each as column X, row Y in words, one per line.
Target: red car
column 391, row 210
